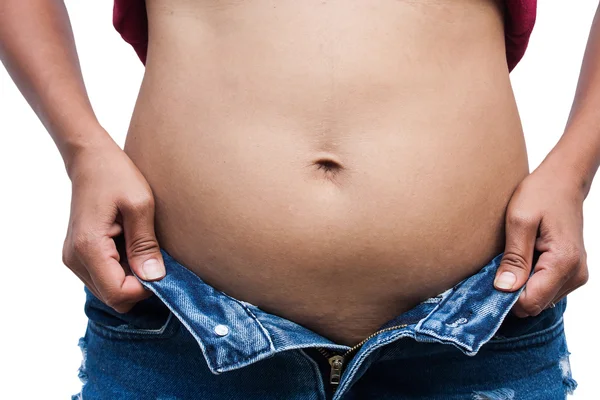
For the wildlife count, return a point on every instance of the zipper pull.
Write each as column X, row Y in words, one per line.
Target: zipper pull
column 336, row 363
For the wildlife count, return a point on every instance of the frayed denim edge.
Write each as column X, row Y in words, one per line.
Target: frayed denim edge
column 81, row 371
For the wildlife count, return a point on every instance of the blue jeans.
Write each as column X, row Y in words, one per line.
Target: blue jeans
column 191, row 341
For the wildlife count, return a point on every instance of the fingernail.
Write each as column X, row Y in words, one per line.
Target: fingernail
column 153, row 269
column 506, row 280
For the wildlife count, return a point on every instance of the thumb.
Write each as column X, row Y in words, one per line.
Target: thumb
column 142, row 248
column 515, row 266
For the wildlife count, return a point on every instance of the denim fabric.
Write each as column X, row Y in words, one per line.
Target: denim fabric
column 191, row 341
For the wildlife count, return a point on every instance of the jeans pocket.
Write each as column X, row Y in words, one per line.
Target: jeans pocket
column 518, row 332
column 148, row 319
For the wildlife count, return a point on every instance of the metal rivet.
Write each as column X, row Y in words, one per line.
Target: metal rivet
column 221, row 330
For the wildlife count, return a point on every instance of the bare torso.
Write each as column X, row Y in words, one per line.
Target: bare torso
column 332, row 162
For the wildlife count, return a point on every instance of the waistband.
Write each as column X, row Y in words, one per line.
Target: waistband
column 232, row 333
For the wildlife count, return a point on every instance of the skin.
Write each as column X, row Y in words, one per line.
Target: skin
column 121, row 196
column 545, row 212
column 311, row 183
column 38, row 50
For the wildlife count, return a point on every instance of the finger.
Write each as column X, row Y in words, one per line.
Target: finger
column 84, row 275
column 75, row 265
column 122, row 252
column 515, row 266
column 558, row 298
column 142, row 249
column 551, row 273
column 576, row 281
column 115, row 230
column 519, row 311
column 121, row 256
column 118, row 290
column 568, row 288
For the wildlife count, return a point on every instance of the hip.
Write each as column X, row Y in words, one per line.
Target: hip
column 192, row 340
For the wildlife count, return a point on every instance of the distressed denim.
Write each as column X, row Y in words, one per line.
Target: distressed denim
column 191, row 341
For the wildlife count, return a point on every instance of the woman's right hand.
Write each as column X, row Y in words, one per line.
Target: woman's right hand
column 111, row 202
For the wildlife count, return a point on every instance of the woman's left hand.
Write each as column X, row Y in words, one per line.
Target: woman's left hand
column 545, row 213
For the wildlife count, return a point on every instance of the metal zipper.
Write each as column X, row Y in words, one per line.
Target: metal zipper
column 337, row 360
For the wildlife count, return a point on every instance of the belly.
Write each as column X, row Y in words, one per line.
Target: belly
column 334, row 163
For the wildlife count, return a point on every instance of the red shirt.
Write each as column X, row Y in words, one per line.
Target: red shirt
column 129, row 18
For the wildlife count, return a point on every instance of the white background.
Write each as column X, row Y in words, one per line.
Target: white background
column 41, row 301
